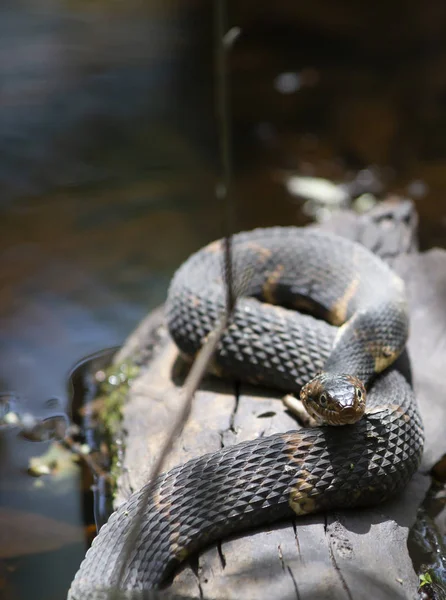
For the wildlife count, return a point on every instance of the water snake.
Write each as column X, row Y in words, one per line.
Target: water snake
column 360, row 329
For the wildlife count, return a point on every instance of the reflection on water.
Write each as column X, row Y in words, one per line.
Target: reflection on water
column 108, row 161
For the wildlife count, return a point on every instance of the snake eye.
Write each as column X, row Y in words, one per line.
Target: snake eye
column 323, row 399
column 359, row 393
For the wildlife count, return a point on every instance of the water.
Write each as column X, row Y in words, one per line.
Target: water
column 108, row 163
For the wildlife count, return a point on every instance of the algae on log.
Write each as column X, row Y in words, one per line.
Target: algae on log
column 114, row 383
column 345, row 554
column 113, row 389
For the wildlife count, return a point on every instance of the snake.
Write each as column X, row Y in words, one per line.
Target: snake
column 317, row 316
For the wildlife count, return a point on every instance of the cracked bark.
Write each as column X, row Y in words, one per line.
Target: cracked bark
column 348, row 555
column 194, row 564
column 221, row 555
column 333, row 559
column 294, row 583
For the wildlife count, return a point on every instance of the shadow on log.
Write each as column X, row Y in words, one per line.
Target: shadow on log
column 351, row 554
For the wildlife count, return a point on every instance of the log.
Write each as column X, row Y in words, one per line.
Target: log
column 351, row 554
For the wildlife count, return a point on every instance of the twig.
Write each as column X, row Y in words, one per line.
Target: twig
column 225, row 39
column 201, row 362
column 191, row 384
column 89, row 460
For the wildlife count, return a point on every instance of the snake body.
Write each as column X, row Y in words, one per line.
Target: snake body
column 269, row 342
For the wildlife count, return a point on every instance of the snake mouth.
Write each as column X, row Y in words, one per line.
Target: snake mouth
column 342, row 416
column 349, row 415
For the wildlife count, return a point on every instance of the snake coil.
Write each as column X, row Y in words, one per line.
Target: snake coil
column 269, row 342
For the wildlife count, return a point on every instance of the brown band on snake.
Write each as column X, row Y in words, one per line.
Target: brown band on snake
column 270, row 284
column 339, row 311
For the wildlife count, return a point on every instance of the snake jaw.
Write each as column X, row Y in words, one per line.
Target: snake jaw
column 336, row 399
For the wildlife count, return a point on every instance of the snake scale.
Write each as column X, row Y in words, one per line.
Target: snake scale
column 318, row 311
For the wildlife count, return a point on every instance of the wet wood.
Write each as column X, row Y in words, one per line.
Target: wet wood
column 347, row 554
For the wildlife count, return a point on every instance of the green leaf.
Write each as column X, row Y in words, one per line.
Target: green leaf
column 425, row 578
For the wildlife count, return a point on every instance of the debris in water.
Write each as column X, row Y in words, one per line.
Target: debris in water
column 318, row 190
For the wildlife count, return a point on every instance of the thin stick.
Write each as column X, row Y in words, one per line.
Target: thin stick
column 201, row 362
column 224, row 39
column 89, row 460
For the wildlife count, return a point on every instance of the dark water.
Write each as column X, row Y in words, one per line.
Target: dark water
column 108, row 164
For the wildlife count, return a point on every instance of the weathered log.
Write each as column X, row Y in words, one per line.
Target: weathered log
column 347, row 554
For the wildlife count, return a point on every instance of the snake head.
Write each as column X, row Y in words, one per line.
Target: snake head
column 334, row 399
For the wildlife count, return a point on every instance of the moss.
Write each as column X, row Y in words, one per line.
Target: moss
column 113, row 388
column 425, row 579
